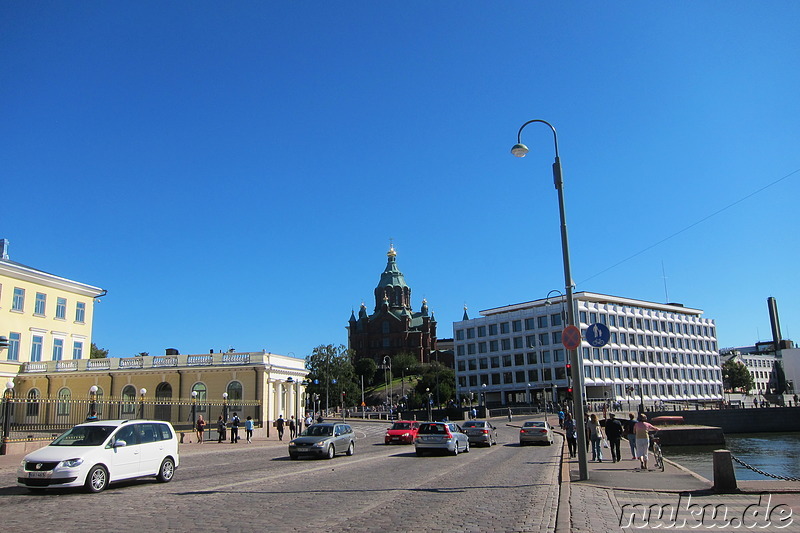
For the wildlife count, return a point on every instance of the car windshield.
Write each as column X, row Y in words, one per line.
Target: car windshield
column 84, row 436
column 534, row 424
column 318, row 431
column 401, row 425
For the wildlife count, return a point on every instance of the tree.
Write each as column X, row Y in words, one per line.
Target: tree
column 97, row 353
column 736, row 376
column 437, row 380
column 331, row 374
column 366, row 367
column 405, row 363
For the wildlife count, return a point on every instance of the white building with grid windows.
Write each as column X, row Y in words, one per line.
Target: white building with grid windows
column 657, row 353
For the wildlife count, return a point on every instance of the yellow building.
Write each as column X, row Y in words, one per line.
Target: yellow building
column 48, row 322
column 45, row 317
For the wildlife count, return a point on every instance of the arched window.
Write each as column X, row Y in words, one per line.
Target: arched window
column 202, row 396
column 64, row 401
column 32, row 407
column 163, row 410
column 129, row 400
column 234, row 394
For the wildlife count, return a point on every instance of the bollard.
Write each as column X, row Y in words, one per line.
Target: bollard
column 724, row 476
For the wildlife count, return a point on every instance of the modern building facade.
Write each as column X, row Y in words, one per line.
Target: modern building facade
column 393, row 327
column 45, row 317
column 657, row 353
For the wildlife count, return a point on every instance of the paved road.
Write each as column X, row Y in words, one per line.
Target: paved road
column 225, row 487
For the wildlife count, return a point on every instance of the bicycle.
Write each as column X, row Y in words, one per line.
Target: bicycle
column 657, row 455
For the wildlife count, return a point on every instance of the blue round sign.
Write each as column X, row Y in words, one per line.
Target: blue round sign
column 598, row 335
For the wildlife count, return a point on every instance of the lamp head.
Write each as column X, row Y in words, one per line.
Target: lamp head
column 519, row 150
column 93, row 389
column 142, row 391
column 9, row 385
column 194, row 394
column 224, row 395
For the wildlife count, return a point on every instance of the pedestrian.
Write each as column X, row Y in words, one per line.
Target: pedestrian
column 200, row 425
column 642, row 429
column 220, row 429
column 248, row 428
column 299, row 425
column 92, row 416
column 630, row 433
column 614, row 432
column 309, row 420
column 235, row 429
column 292, row 427
column 279, row 424
column 509, row 414
column 571, row 432
column 561, row 418
column 596, row 437
column 474, row 413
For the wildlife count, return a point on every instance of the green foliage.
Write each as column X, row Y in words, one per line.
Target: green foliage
column 326, row 364
column 435, row 378
column 736, row 376
column 366, row 367
column 97, row 353
column 405, row 364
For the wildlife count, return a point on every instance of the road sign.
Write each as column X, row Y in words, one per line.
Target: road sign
column 571, row 337
column 598, row 335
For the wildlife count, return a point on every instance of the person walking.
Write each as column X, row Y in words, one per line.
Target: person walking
column 309, row 420
column 220, row 429
column 614, row 432
column 561, row 418
column 200, row 426
column 596, row 437
column 630, row 433
column 279, row 424
column 235, row 428
column 642, row 429
column 571, row 432
column 248, row 428
column 292, row 427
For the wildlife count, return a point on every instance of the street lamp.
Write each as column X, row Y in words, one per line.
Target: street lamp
column 483, row 393
column 93, row 401
column 225, row 406
column 430, row 404
column 194, row 408
column 7, row 395
column 520, row 150
column 142, row 392
column 387, row 372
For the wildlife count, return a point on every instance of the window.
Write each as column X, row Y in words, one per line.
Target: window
column 546, row 356
column 533, row 375
column 80, row 312
column 556, row 337
column 472, row 365
column 530, row 341
column 493, row 346
column 530, row 323
column 460, row 349
column 32, row 407
column 471, row 349
column 77, row 350
column 64, row 400
column 470, row 333
column 506, row 344
column 481, row 331
column 492, row 329
column 18, row 304
column 495, row 361
column 593, row 317
column 39, row 306
column 520, row 376
column 532, row 359
column 516, row 325
column 561, row 372
column 506, row 360
column 483, row 363
column 542, row 321
column 555, row 320
column 37, row 342
column 13, row 346
column 482, row 347
column 128, row 406
column 495, row 379
column 544, row 339
column 583, row 318
column 462, row 366
column 519, row 359
column 459, row 334
column 234, row 392
column 504, row 328
column 508, row 377
column 61, row 308
column 558, row 355
column 518, row 343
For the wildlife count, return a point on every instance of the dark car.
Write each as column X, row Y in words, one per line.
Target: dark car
column 480, row 432
column 324, row 440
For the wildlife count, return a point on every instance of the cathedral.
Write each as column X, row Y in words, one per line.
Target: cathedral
column 393, row 327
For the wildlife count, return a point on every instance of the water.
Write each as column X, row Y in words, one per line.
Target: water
column 776, row 453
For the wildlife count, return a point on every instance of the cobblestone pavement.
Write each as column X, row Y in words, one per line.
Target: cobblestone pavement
column 224, row 487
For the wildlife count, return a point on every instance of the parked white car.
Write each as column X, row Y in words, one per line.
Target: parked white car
column 94, row 454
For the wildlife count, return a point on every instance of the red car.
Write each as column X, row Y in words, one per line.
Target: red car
column 402, row 432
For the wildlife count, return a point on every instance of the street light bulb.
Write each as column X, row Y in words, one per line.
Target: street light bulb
column 519, row 150
column 194, row 394
column 93, row 389
column 143, row 391
column 224, row 395
column 9, row 385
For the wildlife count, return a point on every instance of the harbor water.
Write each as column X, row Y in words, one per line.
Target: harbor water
column 775, row 453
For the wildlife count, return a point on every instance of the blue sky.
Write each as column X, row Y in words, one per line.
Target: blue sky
column 232, row 172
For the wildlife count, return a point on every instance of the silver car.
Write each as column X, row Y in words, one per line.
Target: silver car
column 536, row 431
column 480, row 432
column 446, row 436
column 324, row 440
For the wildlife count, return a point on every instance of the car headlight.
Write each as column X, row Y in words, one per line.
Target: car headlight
column 292, row 443
column 406, row 434
column 72, row 463
column 22, row 463
column 319, row 444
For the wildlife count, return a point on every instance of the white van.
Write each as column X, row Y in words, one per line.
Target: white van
column 94, row 454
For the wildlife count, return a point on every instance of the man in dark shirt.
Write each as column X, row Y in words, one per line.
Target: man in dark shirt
column 613, row 434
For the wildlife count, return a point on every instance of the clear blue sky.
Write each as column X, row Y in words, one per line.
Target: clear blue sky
column 232, row 172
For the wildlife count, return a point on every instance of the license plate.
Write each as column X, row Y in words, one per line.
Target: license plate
column 395, row 438
column 303, row 449
column 39, row 474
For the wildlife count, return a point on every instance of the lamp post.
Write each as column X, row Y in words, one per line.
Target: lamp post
column 92, row 401
column 483, row 393
column 142, row 392
column 7, row 395
column 520, row 150
column 225, row 406
column 528, row 395
column 430, row 404
column 387, row 373
column 194, row 408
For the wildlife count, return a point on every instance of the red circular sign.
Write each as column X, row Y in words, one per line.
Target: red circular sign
column 571, row 337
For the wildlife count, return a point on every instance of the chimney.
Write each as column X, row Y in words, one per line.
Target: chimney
column 775, row 322
column 4, row 249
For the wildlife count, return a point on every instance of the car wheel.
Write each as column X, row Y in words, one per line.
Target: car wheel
column 97, row 479
column 455, row 448
column 466, row 448
column 167, row 470
column 292, row 456
column 331, row 452
column 351, row 449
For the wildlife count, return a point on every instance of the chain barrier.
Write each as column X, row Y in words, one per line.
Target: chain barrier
column 754, row 469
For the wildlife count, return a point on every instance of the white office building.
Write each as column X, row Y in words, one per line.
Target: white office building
column 656, row 353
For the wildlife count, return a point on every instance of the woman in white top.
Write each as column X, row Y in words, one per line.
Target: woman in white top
column 641, row 429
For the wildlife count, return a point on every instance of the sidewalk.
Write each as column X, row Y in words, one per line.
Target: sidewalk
column 621, row 497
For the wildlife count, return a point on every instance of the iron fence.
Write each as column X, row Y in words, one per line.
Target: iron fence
column 46, row 418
